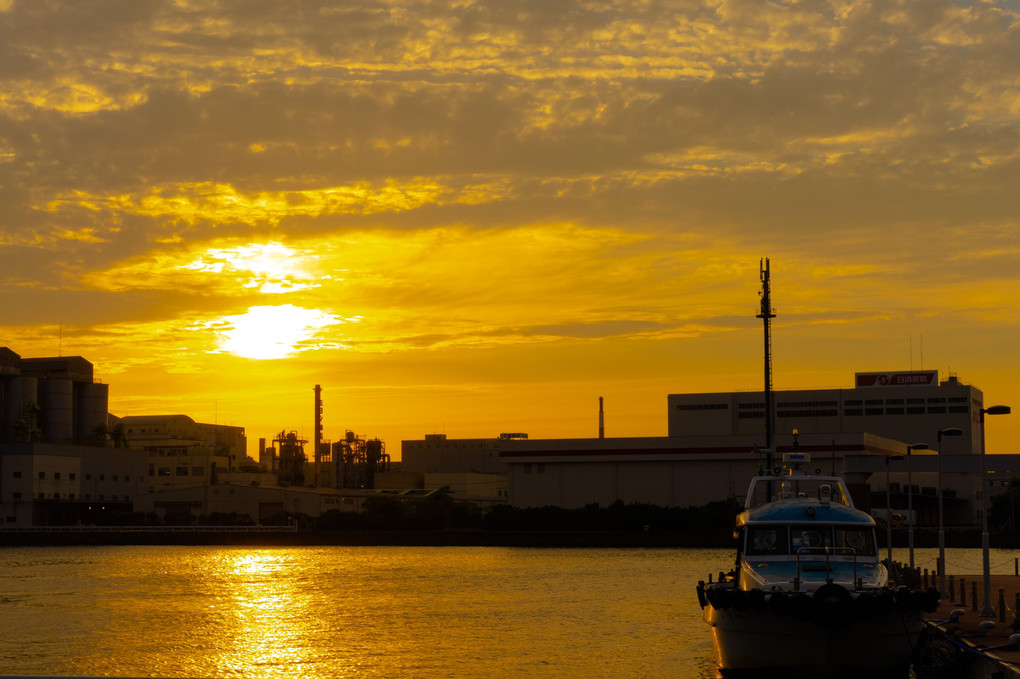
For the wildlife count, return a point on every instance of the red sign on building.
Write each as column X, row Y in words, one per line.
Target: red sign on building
column 910, row 378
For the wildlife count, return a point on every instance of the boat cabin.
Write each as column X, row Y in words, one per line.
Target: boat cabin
column 803, row 529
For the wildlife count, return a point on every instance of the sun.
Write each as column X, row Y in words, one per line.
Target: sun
column 271, row 332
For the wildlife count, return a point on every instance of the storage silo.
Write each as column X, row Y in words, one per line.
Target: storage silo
column 93, row 410
column 56, row 398
column 19, row 391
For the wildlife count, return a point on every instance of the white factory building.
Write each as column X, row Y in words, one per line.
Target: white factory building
column 714, row 445
column 64, row 459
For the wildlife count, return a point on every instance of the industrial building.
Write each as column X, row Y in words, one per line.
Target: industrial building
column 56, row 460
column 906, row 406
column 435, row 454
column 715, row 444
column 65, row 460
column 182, row 452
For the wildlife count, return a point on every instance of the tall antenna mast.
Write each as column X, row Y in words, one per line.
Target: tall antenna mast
column 767, row 315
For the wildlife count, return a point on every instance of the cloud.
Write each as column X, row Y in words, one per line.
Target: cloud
column 495, row 175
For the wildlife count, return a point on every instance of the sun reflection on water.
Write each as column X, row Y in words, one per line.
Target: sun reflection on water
column 269, row 624
column 364, row 613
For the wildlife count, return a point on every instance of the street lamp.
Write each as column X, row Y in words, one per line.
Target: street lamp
column 986, row 609
column 888, row 509
column 910, row 500
column 949, row 431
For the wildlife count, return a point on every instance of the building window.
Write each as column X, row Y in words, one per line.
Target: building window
column 936, row 400
column 17, row 496
column 959, row 409
column 70, row 496
column 102, row 477
column 751, row 415
column 914, row 400
column 807, row 413
column 853, row 402
column 540, row 467
column 114, row 477
column 894, row 401
column 958, row 399
column 744, row 406
column 42, row 496
column 56, row 476
column 42, row 475
column 873, row 402
column 182, row 471
column 88, row 477
column 853, row 412
column 915, row 411
column 71, row 476
column 894, row 411
column 164, row 471
column 17, row 475
column 873, row 411
column 152, row 470
column 703, row 406
column 936, row 410
column 527, row 467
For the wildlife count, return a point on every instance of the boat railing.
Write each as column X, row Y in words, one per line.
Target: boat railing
column 844, row 551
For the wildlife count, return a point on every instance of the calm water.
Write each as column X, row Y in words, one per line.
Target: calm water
column 365, row 611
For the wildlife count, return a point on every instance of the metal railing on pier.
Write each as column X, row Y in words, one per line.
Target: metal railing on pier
column 147, row 529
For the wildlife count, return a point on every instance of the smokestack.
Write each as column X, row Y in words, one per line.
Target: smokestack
column 318, row 431
column 602, row 422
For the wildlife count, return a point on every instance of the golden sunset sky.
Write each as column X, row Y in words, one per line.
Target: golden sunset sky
column 478, row 217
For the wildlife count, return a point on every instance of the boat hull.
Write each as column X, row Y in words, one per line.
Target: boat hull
column 798, row 641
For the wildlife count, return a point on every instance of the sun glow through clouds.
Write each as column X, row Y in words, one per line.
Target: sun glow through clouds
column 270, row 332
column 273, row 268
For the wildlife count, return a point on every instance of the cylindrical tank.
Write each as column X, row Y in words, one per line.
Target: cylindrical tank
column 93, row 410
column 19, row 391
column 56, row 398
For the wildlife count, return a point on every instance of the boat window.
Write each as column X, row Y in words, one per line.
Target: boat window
column 767, row 540
column 861, row 541
column 811, row 537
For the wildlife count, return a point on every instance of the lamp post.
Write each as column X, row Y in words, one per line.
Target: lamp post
column 888, row 509
column 986, row 608
column 949, row 431
column 910, row 500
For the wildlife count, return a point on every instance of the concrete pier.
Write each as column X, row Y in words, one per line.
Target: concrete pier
column 979, row 645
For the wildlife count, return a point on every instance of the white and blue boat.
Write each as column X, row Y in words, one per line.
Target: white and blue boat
column 808, row 595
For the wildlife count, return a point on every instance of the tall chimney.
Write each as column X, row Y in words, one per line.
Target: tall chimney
column 602, row 422
column 318, row 431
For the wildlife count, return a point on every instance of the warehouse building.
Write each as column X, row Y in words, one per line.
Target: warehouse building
column 907, row 406
column 714, row 445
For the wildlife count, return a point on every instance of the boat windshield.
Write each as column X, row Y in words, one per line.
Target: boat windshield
column 785, row 540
